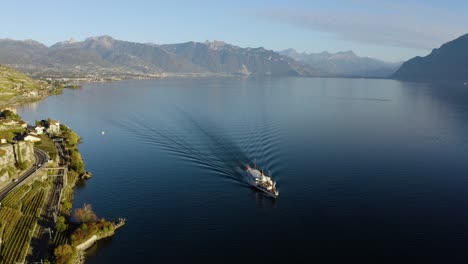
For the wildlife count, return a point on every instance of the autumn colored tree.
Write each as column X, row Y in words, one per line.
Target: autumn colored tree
column 85, row 214
column 62, row 253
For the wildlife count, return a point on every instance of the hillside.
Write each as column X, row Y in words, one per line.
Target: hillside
column 105, row 55
column 447, row 63
column 344, row 64
column 220, row 57
column 16, row 87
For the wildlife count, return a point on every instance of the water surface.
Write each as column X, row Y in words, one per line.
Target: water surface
column 365, row 168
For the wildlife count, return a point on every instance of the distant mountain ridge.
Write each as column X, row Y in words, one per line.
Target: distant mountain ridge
column 447, row 63
column 221, row 57
column 344, row 64
column 106, row 55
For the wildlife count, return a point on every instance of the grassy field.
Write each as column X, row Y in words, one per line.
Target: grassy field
column 11, row 79
column 47, row 145
column 10, row 134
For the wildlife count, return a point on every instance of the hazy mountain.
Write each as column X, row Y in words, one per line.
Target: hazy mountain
column 447, row 63
column 346, row 63
column 105, row 54
column 221, row 57
column 22, row 52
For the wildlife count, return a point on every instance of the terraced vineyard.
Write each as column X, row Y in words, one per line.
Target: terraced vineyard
column 60, row 238
column 19, row 214
column 14, row 84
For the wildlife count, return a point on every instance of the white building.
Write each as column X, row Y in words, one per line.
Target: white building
column 54, row 127
column 3, row 141
column 32, row 138
column 39, row 130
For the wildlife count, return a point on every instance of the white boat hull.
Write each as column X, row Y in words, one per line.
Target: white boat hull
column 257, row 180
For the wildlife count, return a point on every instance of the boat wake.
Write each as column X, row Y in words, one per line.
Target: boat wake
column 206, row 145
column 202, row 148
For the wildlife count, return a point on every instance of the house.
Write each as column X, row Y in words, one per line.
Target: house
column 39, row 130
column 54, row 127
column 23, row 124
column 32, row 138
column 11, row 123
column 3, row 141
column 31, row 94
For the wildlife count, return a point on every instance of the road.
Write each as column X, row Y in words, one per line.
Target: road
column 41, row 159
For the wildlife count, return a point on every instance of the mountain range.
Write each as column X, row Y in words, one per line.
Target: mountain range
column 447, row 63
column 344, row 64
column 105, row 55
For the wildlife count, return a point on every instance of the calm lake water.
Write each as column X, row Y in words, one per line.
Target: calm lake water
column 366, row 169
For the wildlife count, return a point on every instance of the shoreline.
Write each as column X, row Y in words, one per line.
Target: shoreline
column 81, row 248
column 70, row 156
column 60, row 174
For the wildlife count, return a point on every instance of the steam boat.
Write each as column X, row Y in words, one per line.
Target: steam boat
column 262, row 182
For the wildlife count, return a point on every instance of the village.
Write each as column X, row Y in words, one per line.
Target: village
column 39, row 166
column 20, row 142
column 13, row 129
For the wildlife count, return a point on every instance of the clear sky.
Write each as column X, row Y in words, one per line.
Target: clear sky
column 385, row 29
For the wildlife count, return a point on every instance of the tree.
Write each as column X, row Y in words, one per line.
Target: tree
column 67, row 206
column 85, row 214
column 61, row 224
column 22, row 165
column 8, row 114
column 63, row 252
column 73, row 138
column 64, row 128
column 76, row 163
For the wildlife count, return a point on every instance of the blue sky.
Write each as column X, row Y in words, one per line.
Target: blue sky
column 389, row 30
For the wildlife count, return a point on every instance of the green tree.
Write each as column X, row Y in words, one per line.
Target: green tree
column 64, row 128
column 73, row 138
column 22, row 165
column 18, row 153
column 8, row 114
column 61, row 224
column 77, row 163
column 67, row 206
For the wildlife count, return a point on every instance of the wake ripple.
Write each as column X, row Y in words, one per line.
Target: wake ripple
column 205, row 146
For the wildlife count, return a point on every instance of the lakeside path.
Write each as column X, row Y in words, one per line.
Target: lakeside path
column 41, row 159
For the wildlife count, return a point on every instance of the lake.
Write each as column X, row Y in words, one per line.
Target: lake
column 366, row 169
